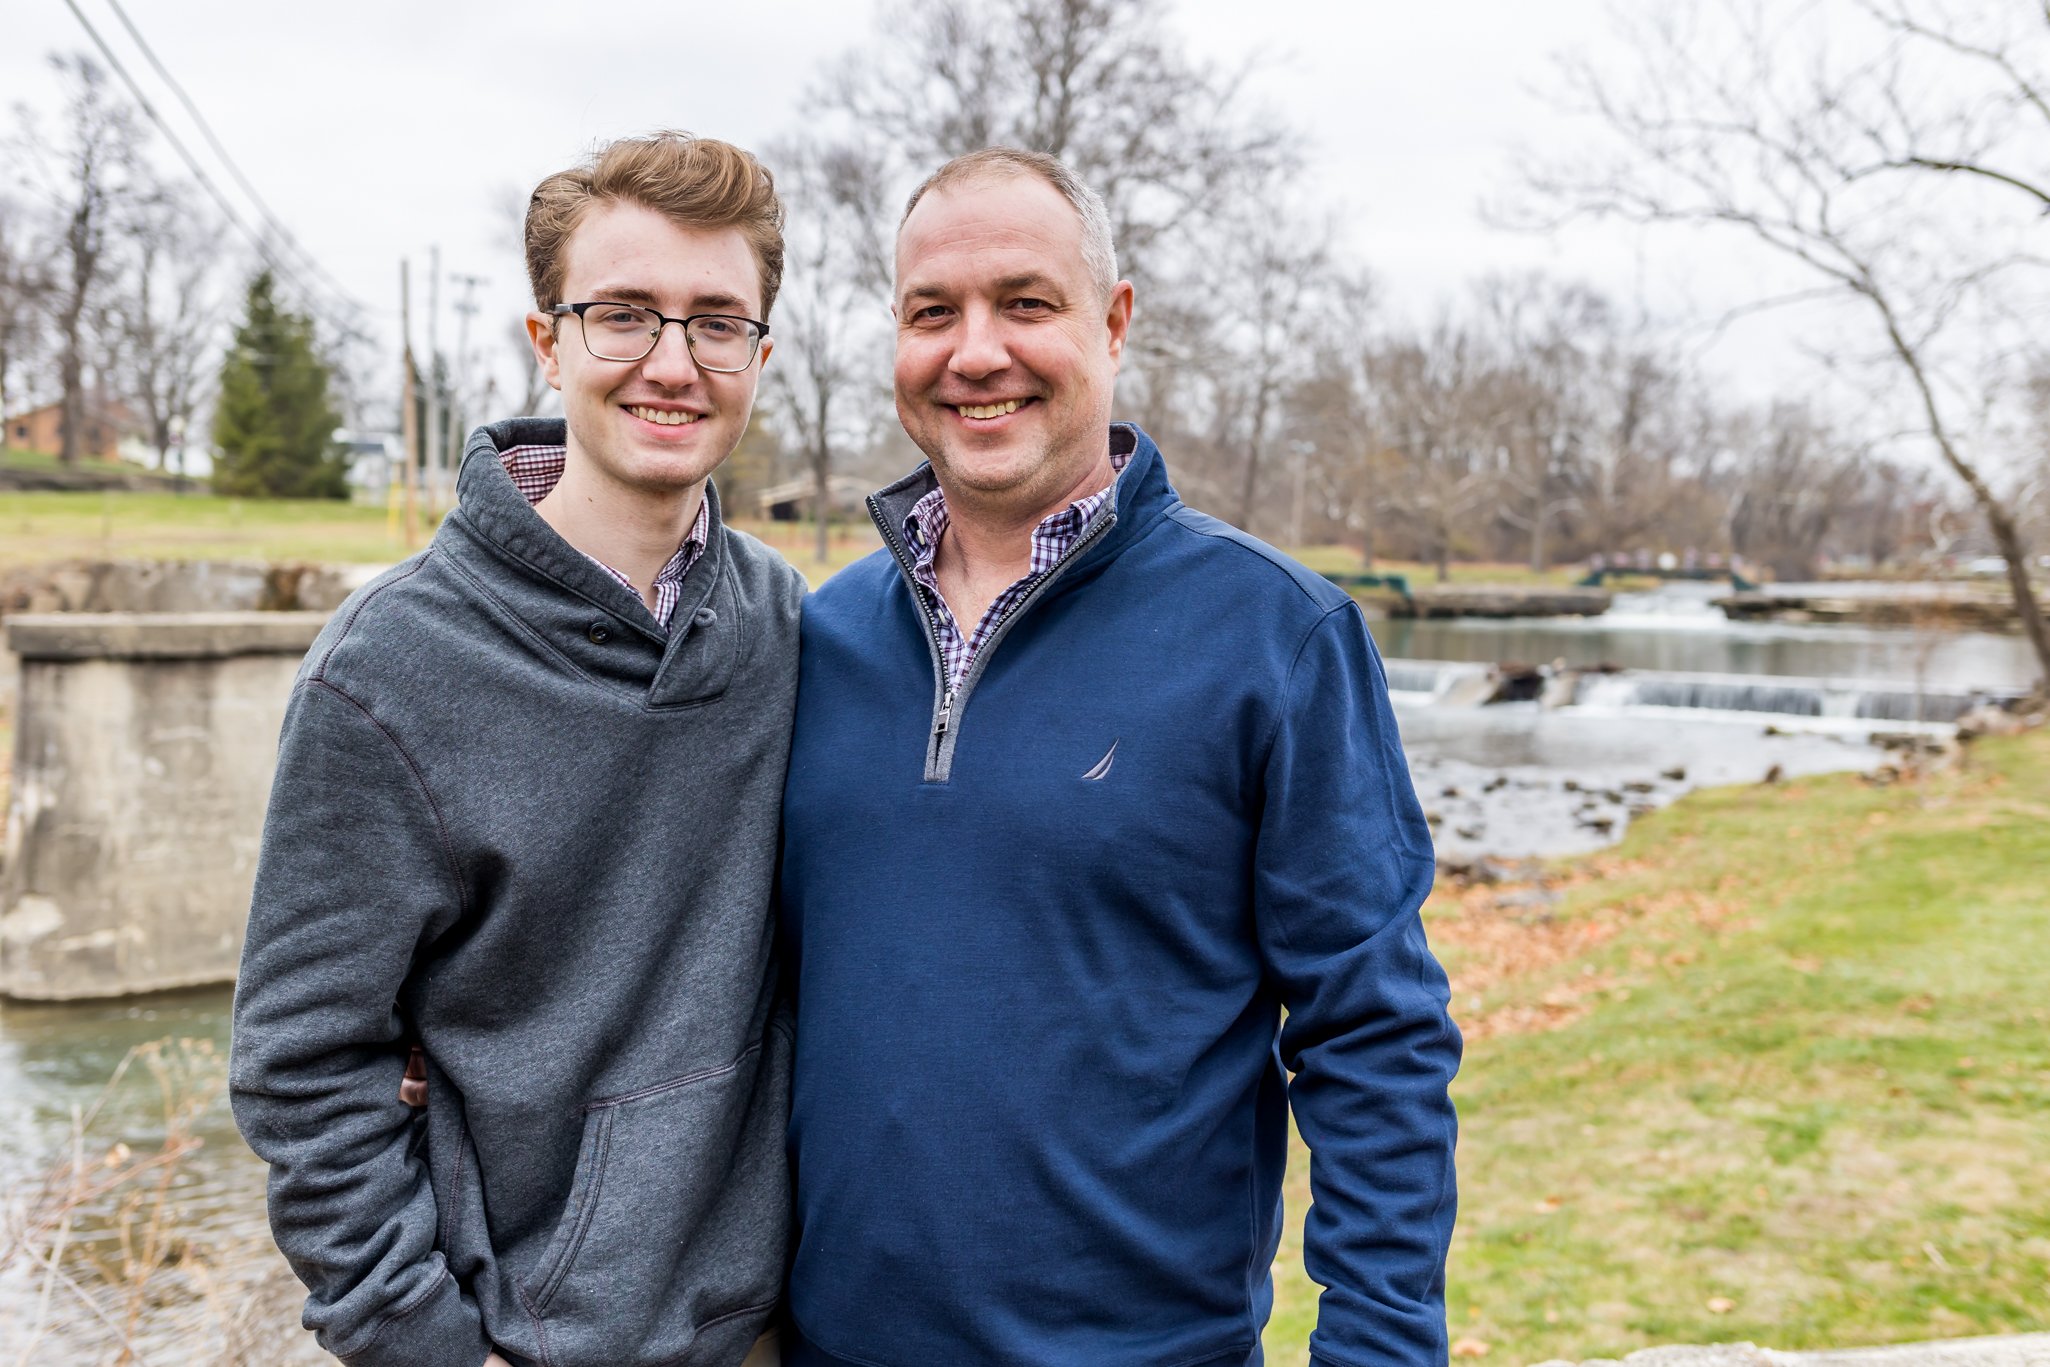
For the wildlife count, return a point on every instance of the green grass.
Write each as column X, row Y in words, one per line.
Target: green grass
column 1346, row 560
column 14, row 458
column 40, row 527
column 1794, row 1085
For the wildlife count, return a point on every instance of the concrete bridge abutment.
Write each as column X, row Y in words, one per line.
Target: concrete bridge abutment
column 143, row 751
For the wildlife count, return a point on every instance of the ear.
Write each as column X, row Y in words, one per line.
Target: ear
column 1118, row 320
column 762, row 359
column 542, row 336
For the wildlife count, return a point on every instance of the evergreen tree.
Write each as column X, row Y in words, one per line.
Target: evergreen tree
column 274, row 424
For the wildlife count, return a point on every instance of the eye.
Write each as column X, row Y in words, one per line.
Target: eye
column 616, row 316
column 718, row 328
column 931, row 313
column 1029, row 305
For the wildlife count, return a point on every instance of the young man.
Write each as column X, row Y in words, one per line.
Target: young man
column 1087, row 791
column 525, row 816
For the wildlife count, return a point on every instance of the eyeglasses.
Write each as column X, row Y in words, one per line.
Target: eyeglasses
column 720, row 342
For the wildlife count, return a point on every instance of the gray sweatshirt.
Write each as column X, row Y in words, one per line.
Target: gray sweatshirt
column 516, row 822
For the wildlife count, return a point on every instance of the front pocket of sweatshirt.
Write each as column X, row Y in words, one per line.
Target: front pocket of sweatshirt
column 677, row 1218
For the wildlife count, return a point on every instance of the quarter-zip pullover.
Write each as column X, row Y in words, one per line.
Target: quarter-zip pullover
column 1044, row 935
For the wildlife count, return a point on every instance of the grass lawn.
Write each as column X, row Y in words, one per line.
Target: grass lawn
column 1346, row 560
column 1777, row 1069
column 40, row 527
column 14, row 458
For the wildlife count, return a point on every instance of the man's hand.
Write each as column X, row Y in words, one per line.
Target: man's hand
column 496, row 1361
column 413, row 1090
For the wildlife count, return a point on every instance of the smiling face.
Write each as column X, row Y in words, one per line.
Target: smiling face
column 659, row 423
column 1007, row 351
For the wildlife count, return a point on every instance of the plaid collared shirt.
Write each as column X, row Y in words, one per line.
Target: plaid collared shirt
column 1053, row 538
column 534, row 471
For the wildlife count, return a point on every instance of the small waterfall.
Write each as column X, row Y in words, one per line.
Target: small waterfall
column 1862, row 700
column 1429, row 679
column 1680, row 606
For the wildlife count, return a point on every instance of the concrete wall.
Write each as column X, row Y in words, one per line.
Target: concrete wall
column 171, row 586
column 143, row 751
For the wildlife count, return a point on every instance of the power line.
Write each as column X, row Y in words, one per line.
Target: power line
column 213, row 191
column 206, row 130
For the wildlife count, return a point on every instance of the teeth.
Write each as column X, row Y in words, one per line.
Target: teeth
column 662, row 416
column 990, row 410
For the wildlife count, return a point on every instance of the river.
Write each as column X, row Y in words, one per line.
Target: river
column 1511, row 779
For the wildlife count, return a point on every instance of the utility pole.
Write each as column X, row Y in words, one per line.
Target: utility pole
column 434, row 454
column 461, row 386
column 409, row 419
column 1295, row 509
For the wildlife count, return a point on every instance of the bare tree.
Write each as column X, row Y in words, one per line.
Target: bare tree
column 25, row 287
column 827, row 383
column 1332, row 411
column 1794, row 479
column 166, row 325
column 1102, row 84
column 1552, row 335
column 1437, row 413
column 1648, row 459
column 1906, row 178
column 90, row 171
column 1264, row 315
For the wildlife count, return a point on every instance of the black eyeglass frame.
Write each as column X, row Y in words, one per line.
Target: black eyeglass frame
column 663, row 320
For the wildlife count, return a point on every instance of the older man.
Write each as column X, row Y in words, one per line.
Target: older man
column 1097, row 829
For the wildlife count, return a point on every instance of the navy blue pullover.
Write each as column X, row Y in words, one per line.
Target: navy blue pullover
column 1063, row 938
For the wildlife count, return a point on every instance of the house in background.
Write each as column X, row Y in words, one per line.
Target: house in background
column 791, row 501
column 376, row 461
column 112, row 433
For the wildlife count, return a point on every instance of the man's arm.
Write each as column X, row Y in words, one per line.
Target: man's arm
column 1344, row 861
column 355, row 875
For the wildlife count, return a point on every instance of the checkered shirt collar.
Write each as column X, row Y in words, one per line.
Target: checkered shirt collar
column 1053, row 538
column 535, row 470
column 926, row 523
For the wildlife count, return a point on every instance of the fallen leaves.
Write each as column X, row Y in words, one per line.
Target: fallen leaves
column 1471, row 1348
column 1720, row 1305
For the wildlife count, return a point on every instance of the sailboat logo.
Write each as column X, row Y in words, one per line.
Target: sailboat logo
column 1101, row 769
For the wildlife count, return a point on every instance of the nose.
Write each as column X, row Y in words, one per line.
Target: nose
column 670, row 363
column 979, row 348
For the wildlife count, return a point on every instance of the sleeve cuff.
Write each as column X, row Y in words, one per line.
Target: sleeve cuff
column 443, row 1330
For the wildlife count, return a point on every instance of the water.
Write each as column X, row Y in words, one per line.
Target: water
column 1706, row 701
column 1678, row 629
column 55, row 1062
column 1519, row 780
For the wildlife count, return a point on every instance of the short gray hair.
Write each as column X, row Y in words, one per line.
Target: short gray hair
column 1099, row 253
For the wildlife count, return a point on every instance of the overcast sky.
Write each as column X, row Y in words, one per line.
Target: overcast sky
column 376, row 130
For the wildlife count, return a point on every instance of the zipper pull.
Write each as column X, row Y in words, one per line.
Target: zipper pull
column 946, row 711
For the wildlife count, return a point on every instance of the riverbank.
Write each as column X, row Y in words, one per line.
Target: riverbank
column 1922, row 607
column 1772, row 1070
